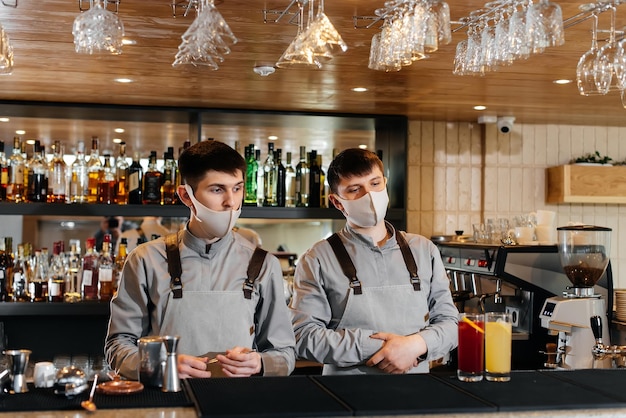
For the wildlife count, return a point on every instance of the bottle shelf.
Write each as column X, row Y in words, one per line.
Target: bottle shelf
column 253, row 212
column 86, row 308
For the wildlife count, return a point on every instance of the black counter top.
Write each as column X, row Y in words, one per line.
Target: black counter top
column 529, row 393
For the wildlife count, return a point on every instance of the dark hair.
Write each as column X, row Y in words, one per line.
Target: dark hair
column 203, row 156
column 349, row 163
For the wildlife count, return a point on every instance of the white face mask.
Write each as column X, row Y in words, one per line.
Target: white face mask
column 214, row 224
column 366, row 211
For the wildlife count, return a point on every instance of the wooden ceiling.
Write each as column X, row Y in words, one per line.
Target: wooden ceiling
column 48, row 69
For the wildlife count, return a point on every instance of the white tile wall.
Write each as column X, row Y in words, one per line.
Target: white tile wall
column 460, row 174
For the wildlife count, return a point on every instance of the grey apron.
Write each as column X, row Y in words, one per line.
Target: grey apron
column 209, row 321
column 399, row 309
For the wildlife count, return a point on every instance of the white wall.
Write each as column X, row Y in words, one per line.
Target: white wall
column 460, row 173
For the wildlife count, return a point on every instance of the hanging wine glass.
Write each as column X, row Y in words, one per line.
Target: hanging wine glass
column 6, row 53
column 604, row 68
column 98, row 30
column 207, row 39
column 296, row 55
column 585, row 70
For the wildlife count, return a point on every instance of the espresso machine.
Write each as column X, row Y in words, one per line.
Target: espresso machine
column 584, row 253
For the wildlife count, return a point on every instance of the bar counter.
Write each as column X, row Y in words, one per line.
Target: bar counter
column 588, row 393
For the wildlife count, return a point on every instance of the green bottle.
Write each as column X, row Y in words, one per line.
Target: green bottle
column 251, row 176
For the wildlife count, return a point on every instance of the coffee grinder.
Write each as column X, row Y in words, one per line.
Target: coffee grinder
column 584, row 253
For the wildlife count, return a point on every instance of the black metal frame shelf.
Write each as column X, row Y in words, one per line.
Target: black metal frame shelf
column 86, row 308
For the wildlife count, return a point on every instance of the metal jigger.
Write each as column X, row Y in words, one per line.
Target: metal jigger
column 171, row 382
column 18, row 361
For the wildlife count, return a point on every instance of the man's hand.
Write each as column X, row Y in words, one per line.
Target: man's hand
column 240, row 362
column 399, row 353
column 190, row 366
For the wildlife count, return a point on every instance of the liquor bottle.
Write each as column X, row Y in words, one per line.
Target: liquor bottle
column 314, row 182
column 121, row 176
column 37, row 189
column 120, row 259
column 251, row 177
column 168, row 183
column 73, row 278
column 57, row 170
column 56, row 273
column 106, row 182
column 5, row 271
column 269, row 177
column 79, row 180
column 323, row 202
column 281, row 178
column 152, row 182
column 94, row 170
column 8, row 265
column 20, row 276
column 90, row 271
column 260, row 174
column 105, row 270
column 302, row 180
column 290, row 184
column 4, row 173
column 135, row 178
column 38, row 286
column 15, row 188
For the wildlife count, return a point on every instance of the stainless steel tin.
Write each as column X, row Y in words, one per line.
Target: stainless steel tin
column 152, row 355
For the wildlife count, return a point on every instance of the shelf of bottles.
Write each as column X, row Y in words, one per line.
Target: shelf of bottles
column 106, row 185
column 61, row 283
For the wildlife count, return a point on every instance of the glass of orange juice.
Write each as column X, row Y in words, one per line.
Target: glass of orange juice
column 498, row 333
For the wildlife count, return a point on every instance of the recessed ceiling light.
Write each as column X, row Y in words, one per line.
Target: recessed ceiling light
column 20, row 132
column 4, row 119
column 562, row 81
column 119, row 130
column 272, row 137
column 117, row 140
column 127, row 41
column 363, row 146
column 480, row 107
column 123, row 80
column 359, row 89
column 30, row 141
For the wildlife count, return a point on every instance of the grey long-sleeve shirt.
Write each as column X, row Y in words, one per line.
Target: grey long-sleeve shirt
column 137, row 309
column 321, row 292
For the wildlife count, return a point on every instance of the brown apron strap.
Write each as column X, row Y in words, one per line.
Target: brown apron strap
column 347, row 266
column 173, row 265
column 409, row 260
column 254, row 268
column 350, row 271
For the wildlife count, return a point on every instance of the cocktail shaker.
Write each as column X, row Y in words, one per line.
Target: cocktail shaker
column 152, row 355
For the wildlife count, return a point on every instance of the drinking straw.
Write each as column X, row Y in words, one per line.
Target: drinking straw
column 473, row 325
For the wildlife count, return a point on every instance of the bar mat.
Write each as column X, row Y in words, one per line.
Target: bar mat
column 401, row 394
column 38, row 399
column 149, row 397
column 259, row 396
column 609, row 382
column 531, row 390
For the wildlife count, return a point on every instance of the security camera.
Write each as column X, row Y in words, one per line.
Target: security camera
column 505, row 124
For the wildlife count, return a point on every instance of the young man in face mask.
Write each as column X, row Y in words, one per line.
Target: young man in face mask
column 371, row 299
column 221, row 319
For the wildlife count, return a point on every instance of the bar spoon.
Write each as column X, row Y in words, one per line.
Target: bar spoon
column 89, row 404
